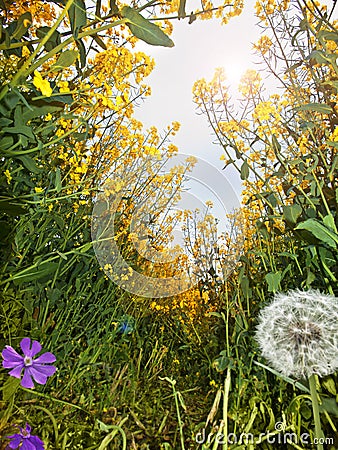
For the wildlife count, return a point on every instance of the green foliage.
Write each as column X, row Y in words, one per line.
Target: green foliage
column 156, row 385
column 145, row 30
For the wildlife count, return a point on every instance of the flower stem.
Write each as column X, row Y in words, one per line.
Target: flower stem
column 227, row 382
column 315, row 408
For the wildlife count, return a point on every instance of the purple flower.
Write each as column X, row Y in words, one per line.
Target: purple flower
column 35, row 368
column 24, row 440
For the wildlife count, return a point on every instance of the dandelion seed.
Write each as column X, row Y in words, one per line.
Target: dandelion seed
column 24, row 440
column 36, row 368
column 298, row 333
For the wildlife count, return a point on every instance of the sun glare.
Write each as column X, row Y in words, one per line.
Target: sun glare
column 234, row 73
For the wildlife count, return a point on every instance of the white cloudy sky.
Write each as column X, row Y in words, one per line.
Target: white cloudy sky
column 199, row 49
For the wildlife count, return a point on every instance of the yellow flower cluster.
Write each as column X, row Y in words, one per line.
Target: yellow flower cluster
column 263, row 45
column 42, row 12
column 42, row 84
column 190, row 308
column 263, row 111
column 250, row 84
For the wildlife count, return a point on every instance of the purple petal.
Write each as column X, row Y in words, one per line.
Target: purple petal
column 43, row 369
column 41, row 373
column 10, row 364
column 25, row 347
column 16, row 439
column 11, row 355
column 27, row 381
column 39, row 377
column 27, row 445
column 37, row 442
column 16, row 372
column 27, row 428
column 12, row 436
column 45, row 358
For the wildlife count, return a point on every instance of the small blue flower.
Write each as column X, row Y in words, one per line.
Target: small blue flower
column 126, row 325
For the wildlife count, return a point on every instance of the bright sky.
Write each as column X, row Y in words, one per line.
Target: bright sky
column 199, row 49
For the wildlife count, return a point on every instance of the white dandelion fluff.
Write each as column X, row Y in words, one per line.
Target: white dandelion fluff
column 298, row 333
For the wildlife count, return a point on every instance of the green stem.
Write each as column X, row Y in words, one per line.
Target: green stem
column 315, row 408
column 225, row 407
column 24, row 70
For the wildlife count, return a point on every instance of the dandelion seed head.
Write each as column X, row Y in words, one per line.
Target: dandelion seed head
column 298, row 333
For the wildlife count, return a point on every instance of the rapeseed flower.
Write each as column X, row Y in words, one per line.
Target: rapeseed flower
column 41, row 84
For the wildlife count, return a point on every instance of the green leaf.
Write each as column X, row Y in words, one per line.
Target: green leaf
column 26, row 131
column 305, row 411
column 311, row 277
column 328, row 35
column 329, row 222
column 86, row 247
column 11, row 206
column 319, row 57
column 23, row 23
column 58, row 184
column 221, row 363
column 4, row 121
column 29, row 163
column 245, row 171
column 145, row 30
column 330, row 385
column 43, row 270
column 330, row 406
column 39, row 111
column 320, row 231
column 318, row 107
column 10, row 387
column 11, row 100
column 82, row 50
column 6, row 142
column 77, row 16
column 275, row 144
column 99, row 41
column 245, row 285
column 53, row 41
column 273, row 279
column 66, row 59
column 291, row 213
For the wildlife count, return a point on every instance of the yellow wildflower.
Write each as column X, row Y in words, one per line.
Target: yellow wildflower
column 63, row 86
column 8, row 176
column 41, row 84
column 38, row 190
